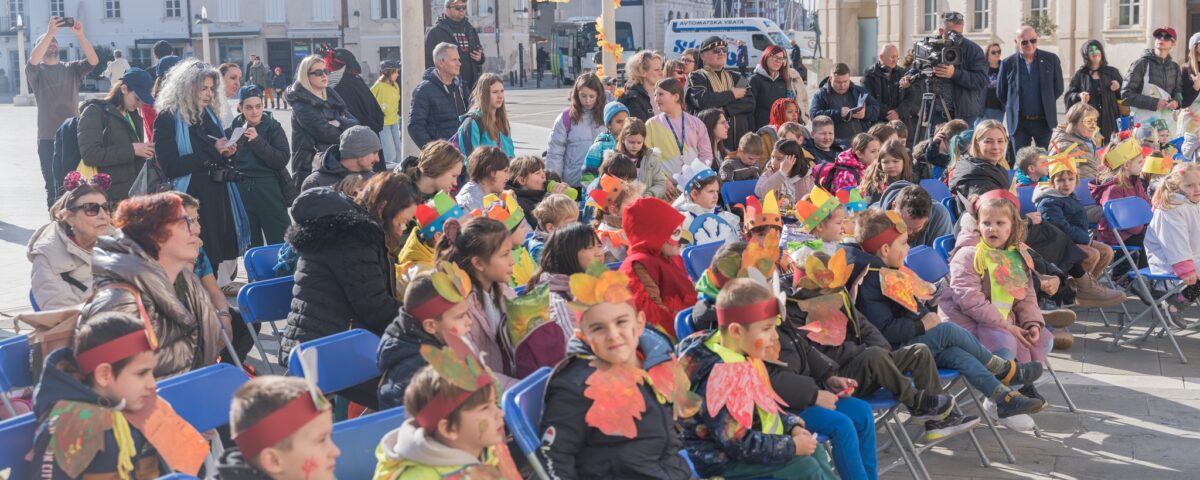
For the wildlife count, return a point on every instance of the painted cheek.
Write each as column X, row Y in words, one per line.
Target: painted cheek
column 310, row 466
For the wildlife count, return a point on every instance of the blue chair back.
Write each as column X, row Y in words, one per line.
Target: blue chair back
column 943, row 245
column 178, row 476
column 950, row 205
column 260, row 262
column 16, row 440
column 202, row 396
column 696, row 258
column 357, row 439
column 344, row 359
column 937, row 190
column 1128, row 212
column 614, row 265
column 523, row 410
column 683, row 324
column 14, row 363
column 927, row 264
column 938, row 171
column 733, row 193
column 266, row 301
column 1025, row 194
column 33, row 302
column 1083, row 193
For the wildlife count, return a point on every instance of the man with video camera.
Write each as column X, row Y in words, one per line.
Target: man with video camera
column 958, row 69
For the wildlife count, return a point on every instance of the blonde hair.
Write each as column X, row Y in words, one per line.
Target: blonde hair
column 302, row 74
column 637, row 66
column 493, row 121
column 554, row 208
column 1078, row 112
column 1172, row 184
column 1017, row 234
column 982, row 129
column 180, row 95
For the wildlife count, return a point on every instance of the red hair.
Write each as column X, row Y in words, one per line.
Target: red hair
column 147, row 218
column 783, row 71
column 779, row 111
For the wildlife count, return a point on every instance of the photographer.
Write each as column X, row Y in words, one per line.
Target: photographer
column 200, row 161
column 1030, row 83
column 965, row 82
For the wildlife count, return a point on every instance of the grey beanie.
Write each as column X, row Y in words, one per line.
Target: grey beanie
column 358, row 141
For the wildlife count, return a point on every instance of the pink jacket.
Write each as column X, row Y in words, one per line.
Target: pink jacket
column 794, row 187
column 841, row 178
column 485, row 336
column 1111, row 190
column 967, row 303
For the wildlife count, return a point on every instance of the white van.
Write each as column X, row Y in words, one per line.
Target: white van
column 758, row 33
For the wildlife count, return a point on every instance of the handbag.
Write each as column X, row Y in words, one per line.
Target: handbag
column 150, row 180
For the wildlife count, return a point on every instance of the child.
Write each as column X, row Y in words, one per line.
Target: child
column 599, row 434
column 992, row 291
column 352, row 184
column 617, row 165
column 609, row 201
column 101, row 398
column 935, row 152
column 821, row 217
column 784, row 110
column 527, row 180
column 555, row 212
column 429, row 314
column 901, row 130
column 882, row 132
column 1058, row 206
column 894, row 165
column 823, row 145
column 481, row 247
column 787, row 173
column 1031, row 167
column 505, row 209
column 702, row 221
column 576, row 129
column 283, row 431
column 748, row 435
column 615, row 114
column 792, row 131
column 743, row 164
column 488, row 172
column 661, row 286
column 568, row 251
column 417, row 256
column 680, row 136
column 847, row 170
column 632, row 143
column 1172, row 233
column 883, row 292
column 1121, row 179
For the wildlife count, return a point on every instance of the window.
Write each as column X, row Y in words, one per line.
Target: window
column 276, row 11
column 388, row 9
column 389, row 53
column 1039, row 8
column 929, row 16
column 16, row 8
column 228, row 11
column 173, row 9
column 140, row 57
column 981, row 20
column 760, row 42
column 1129, row 13
column 322, row 10
column 112, row 8
column 57, row 9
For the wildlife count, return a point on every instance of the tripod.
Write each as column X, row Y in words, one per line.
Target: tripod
column 930, row 100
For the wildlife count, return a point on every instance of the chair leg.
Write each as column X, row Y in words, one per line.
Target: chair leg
column 991, row 425
column 229, row 346
column 1061, row 388
column 908, row 462
column 908, row 445
column 984, row 461
column 12, row 412
column 537, row 466
column 262, row 351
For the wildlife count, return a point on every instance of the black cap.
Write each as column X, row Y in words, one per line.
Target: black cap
column 712, row 43
column 954, row 17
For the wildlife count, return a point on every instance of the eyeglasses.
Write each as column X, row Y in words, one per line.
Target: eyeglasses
column 689, row 60
column 461, row 8
column 1031, row 41
column 994, row 52
column 779, row 57
column 188, row 222
column 1090, row 122
column 318, row 73
column 92, row 209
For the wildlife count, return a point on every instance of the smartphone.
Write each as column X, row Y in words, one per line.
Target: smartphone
column 66, row 22
column 743, row 83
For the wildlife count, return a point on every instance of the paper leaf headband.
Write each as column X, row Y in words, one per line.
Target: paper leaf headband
column 458, row 364
column 432, row 215
column 603, row 197
column 1122, row 153
column 1064, row 160
column 820, row 275
column 852, row 199
column 598, row 285
column 1158, row 165
column 692, row 173
column 503, row 208
column 763, row 214
column 452, row 286
column 758, row 255
column 814, row 209
column 100, row 181
column 873, row 244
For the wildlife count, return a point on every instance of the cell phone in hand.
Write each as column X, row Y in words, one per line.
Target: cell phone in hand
column 66, row 22
column 743, row 83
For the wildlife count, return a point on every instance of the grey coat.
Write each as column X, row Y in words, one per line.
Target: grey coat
column 1164, row 72
column 568, row 146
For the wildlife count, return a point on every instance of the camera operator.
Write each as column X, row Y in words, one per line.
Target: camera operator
column 1030, row 83
column 965, row 84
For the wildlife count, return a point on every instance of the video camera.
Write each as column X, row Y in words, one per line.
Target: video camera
column 941, row 50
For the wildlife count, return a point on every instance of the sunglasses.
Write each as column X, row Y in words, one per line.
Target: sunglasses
column 92, row 209
column 1026, row 43
column 994, row 52
column 318, row 73
column 1163, row 36
column 720, row 50
column 461, row 8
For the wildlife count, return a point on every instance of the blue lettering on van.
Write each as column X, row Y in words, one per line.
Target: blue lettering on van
column 681, row 45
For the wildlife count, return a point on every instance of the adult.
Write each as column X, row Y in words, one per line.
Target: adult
column 116, row 67
column 680, row 137
column 357, row 151
column 262, row 157
column 1030, row 83
column 387, row 95
column 231, row 81
column 771, row 81
column 1080, row 130
column 576, row 129
column 967, row 81
column 797, row 58
column 852, row 108
column 715, row 87
column 258, row 74
column 161, row 50
column 345, row 77
column 279, row 84
column 1157, row 68
column 145, row 270
column 163, row 56
column 993, row 108
column 110, row 134
column 55, row 86
column 318, row 116
column 691, row 60
column 982, row 168
column 883, row 81
column 61, row 251
column 439, row 100
column 926, row 220
column 645, row 69
column 1191, row 72
column 200, row 166
column 743, row 57
column 453, row 27
column 486, row 124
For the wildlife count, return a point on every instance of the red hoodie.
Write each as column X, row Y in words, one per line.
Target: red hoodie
column 649, row 224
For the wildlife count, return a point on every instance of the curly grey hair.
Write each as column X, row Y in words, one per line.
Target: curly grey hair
column 180, row 93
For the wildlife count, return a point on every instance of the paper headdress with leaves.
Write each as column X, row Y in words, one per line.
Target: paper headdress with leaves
column 816, row 207
column 1064, row 161
column 1122, row 153
column 602, row 198
column 873, row 244
column 764, row 213
column 760, row 255
column 692, row 173
column 852, row 199
column 503, row 208
column 432, row 215
column 1158, row 165
column 452, row 286
column 461, row 367
column 598, row 285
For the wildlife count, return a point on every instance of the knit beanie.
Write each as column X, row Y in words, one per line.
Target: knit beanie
column 358, row 141
column 612, row 109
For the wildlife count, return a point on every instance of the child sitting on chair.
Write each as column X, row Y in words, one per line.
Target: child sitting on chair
column 1031, row 170
column 282, row 427
column 698, row 204
column 1121, row 179
column 1172, row 233
column 660, row 284
column 552, row 213
column 1057, row 204
column 505, row 209
column 743, row 164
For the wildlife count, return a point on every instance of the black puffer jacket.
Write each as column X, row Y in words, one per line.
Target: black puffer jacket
column 638, row 101
column 399, row 357
column 1100, row 89
column 344, row 278
column 884, row 85
column 233, row 466
column 311, row 131
column 1164, row 73
column 976, row 176
column 766, row 91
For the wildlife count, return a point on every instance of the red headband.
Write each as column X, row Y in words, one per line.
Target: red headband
column 277, row 426
column 747, row 314
column 873, row 244
column 432, row 308
column 999, row 193
column 113, row 351
column 435, row 411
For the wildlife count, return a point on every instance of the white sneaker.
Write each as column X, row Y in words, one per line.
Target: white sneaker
column 1020, row 423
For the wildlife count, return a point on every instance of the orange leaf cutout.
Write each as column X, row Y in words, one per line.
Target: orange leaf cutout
column 1007, row 271
column 616, row 401
column 826, row 323
column 761, row 255
column 818, row 275
column 671, row 382
column 177, row 442
column 904, row 287
column 739, row 387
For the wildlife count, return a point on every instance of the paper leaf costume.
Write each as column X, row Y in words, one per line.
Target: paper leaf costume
column 523, row 266
column 826, row 323
column 763, row 214
column 671, row 383
column 503, row 208
column 815, row 208
column 904, row 287
column 432, row 215
column 78, row 435
column 598, row 285
column 603, row 197
column 820, row 275
column 616, row 401
column 740, row 388
column 527, row 312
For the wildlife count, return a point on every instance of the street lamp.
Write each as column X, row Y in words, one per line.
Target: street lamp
column 23, row 98
column 204, row 22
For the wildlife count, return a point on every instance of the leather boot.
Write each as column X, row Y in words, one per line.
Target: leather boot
column 1090, row 294
column 1063, row 340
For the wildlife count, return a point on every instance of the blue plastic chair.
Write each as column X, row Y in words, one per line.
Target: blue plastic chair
column 178, row 476
column 33, row 302
column 950, row 205
column 523, row 412
column 614, row 265
column 344, row 359
column 733, row 193
column 266, row 301
column 14, row 368
column 943, row 245
column 927, row 263
column 938, row 171
column 683, row 324
column 357, row 439
column 16, row 440
column 202, row 396
column 1083, row 193
column 937, row 190
column 1025, row 194
column 260, row 262
column 696, row 258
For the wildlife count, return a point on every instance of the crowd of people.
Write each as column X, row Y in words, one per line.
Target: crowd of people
column 477, row 267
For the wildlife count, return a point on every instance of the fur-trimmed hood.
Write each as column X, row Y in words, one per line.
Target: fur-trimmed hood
column 324, row 218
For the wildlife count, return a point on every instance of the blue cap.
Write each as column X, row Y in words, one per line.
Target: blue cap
column 612, row 109
column 248, row 91
column 165, row 64
column 138, row 81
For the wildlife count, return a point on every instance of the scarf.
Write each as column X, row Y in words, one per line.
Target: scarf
column 719, row 80
column 183, row 143
column 1007, row 278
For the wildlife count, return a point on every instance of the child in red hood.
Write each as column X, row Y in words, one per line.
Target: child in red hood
column 659, row 283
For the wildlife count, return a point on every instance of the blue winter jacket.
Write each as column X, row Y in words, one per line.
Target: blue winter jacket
column 436, row 109
column 1064, row 211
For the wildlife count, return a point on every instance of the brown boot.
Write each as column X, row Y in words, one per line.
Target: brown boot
column 1090, row 294
column 1059, row 317
column 1063, row 340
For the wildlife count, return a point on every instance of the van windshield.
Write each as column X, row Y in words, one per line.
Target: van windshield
column 779, row 39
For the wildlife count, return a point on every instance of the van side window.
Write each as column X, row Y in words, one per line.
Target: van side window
column 761, row 42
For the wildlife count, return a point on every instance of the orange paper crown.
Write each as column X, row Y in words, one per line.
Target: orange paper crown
column 602, row 198
column 765, row 213
column 1063, row 161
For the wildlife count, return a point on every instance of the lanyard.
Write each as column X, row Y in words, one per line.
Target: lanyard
column 682, row 128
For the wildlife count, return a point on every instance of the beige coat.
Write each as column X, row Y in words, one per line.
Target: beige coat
column 53, row 255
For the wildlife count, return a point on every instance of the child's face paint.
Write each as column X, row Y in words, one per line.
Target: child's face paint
column 455, row 321
column 313, row 455
column 310, row 466
column 760, row 338
column 613, row 330
column 481, row 427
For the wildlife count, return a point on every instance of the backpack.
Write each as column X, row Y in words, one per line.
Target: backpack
column 826, row 173
column 66, row 152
